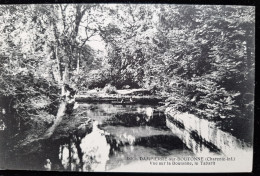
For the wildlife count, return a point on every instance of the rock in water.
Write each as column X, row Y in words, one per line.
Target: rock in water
column 47, row 165
column 76, row 105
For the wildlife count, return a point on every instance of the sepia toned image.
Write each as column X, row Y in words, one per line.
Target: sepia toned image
column 127, row 87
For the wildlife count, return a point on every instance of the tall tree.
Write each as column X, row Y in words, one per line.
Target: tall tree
column 46, row 42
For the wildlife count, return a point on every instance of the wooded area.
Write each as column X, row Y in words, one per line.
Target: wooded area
column 201, row 57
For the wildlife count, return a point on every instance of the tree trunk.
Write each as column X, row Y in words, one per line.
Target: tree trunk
column 64, row 76
column 62, row 107
column 58, row 64
column 78, row 63
column 60, row 114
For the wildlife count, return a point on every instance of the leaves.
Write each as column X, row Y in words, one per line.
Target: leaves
column 201, row 57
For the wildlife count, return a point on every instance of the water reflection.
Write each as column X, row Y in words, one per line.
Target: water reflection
column 69, row 156
column 118, row 132
column 133, row 131
column 95, row 149
column 87, row 154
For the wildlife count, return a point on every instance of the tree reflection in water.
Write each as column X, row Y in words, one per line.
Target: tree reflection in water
column 87, row 154
column 118, row 133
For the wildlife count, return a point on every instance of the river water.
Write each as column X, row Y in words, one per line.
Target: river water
column 121, row 136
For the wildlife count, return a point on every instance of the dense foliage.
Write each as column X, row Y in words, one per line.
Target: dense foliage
column 42, row 50
column 28, row 92
column 200, row 57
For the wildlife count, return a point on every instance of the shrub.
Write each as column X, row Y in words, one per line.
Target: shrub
column 109, row 89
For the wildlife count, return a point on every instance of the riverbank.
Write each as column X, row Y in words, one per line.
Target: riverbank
column 205, row 135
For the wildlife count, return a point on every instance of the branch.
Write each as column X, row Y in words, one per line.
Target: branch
column 88, row 37
column 63, row 15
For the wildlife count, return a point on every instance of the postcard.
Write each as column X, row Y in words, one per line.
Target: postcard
column 127, row 87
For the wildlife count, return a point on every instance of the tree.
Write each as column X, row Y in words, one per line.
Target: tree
column 211, row 51
column 49, row 39
column 127, row 39
column 25, row 91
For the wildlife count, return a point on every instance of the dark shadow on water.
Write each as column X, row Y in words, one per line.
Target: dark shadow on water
column 76, row 146
column 161, row 143
column 129, row 119
column 154, row 145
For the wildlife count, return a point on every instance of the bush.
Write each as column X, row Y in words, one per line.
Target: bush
column 109, row 89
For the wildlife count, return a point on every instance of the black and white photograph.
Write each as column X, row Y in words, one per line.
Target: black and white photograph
column 123, row 87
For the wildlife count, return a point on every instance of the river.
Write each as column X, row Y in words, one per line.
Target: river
column 121, row 137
